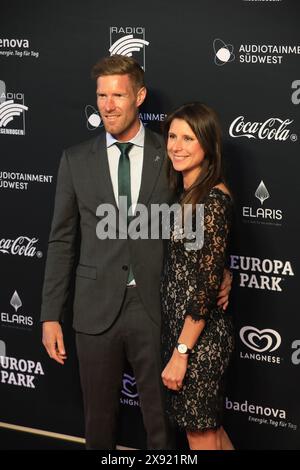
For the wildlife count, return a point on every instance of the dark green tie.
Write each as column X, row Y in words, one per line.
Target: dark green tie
column 124, row 182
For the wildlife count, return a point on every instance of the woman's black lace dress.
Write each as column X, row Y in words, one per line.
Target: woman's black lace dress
column 190, row 285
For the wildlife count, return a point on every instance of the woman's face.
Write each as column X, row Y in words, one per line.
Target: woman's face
column 184, row 150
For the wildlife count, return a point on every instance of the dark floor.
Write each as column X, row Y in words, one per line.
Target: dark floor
column 15, row 440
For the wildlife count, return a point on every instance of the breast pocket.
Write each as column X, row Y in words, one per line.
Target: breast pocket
column 89, row 272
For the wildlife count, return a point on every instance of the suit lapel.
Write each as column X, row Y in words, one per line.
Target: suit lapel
column 153, row 160
column 152, row 163
column 99, row 168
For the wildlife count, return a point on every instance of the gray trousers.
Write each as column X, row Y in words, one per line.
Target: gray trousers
column 101, row 360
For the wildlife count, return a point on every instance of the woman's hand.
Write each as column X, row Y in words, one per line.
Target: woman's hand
column 174, row 372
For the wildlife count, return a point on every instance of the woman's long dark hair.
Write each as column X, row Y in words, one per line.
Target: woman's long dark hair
column 205, row 124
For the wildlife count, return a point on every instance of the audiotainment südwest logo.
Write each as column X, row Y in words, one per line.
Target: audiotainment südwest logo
column 273, row 128
column 261, row 54
column 129, row 41
column 12, row 112
column 94, row 121
column 256, row 213
column 93, row 118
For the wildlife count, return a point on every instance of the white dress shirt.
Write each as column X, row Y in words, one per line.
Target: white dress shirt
column 136, row 156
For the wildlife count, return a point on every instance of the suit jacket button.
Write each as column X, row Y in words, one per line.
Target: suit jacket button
column 125, row 268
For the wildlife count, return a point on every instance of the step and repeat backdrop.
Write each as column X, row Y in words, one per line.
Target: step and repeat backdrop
column 242, row 57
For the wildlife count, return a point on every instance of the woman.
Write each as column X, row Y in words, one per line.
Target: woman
column 197, row 337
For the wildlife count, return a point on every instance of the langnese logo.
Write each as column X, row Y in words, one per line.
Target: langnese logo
column 16, row 319
column 258, row 213
column 129, row 394
column 273, row 128
column 263, row 274
column 261, row 342
column 129, row 41
column 260, row 54
column 296, row 93
column 12, row 112
column 261, row 414
column 20, row 246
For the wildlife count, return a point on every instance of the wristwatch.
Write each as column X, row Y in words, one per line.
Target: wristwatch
column 182, row 348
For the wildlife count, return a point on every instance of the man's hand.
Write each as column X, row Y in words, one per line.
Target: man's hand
column 53, row 341
column 223, row 296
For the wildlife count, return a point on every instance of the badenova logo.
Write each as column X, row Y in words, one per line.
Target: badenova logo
column 261, row 343
column 264, row 274
column 272, row 128
column 16, row 319
column 12, row 112
column 261, row 214
column 129, row 41
column 261, row 414
column 17, row 47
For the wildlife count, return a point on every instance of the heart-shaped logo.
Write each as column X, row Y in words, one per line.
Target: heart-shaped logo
column 129, row 386
column 260, row 340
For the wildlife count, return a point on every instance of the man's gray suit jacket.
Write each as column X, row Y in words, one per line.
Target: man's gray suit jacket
column 83, row 183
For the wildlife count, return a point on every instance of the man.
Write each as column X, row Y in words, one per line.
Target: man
column 117, row 291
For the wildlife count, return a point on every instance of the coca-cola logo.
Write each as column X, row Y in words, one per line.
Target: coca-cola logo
column 271, row 129
column 21, row 246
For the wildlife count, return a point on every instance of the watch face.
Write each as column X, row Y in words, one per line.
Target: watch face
column 182, row 348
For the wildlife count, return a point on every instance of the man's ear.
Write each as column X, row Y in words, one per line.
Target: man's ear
column 141, row 95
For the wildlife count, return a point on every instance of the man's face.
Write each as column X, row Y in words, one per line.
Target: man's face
column 118, row 102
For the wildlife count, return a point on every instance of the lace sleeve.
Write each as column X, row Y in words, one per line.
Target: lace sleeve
column 211, row 258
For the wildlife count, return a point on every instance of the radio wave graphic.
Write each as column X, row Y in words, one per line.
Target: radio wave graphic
column 127, row 45
column 8, row 110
